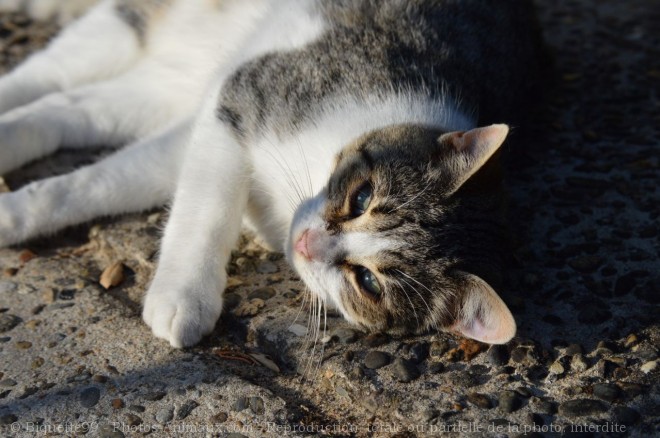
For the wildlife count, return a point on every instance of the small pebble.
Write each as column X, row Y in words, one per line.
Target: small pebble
column 439, row 348
column 578, row 363
column 257, row 405
column 346, row 335
column 581, row 408
column 375, row 340
column 606, row 391
column 154, row 396
column 497, row 355
column 109, row 431
column 631, row 340
column 186, row 409
column 557, row 368
column 267, row 267
column 23, row 345
column 649, row 366
column 165, row 415
column 8, row 383
column 404, row 370
column 376, row 359
column 8, row 322
column 508, row 401
column 133, row 420
column 480, row 400
column 419, row 352
column 89, row 397
column 220, row 417
column 625, row 415
column 264, row 293
column 436, row 367
column 241, row 404
column 117, row 403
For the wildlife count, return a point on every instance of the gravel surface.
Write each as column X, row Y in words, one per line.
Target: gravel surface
column 75, row 357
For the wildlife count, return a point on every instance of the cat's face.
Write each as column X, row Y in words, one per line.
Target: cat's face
column 394, row 239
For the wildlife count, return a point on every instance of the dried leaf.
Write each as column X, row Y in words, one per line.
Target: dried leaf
column 265, row 361
column 112, row 275
column 26, row 255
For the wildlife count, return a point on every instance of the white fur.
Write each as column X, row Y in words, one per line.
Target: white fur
column 163, row 92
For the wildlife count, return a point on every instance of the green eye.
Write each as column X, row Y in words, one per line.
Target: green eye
column 367, row 281
column 361, row 200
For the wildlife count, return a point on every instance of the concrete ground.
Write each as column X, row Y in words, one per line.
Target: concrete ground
column 584, row 178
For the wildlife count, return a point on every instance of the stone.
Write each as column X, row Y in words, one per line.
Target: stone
column 257, row 405
column 375, row 340
column 606, row 391
column 581, row 408
column 298, row 329
column 419, row 352
column 578, row 363
column 346, row 335
column 264, row 293
column 108, row 431
column 404, row 370
column 267, row 267
column 8, row 322
column 438, row 348
column 154, row 396
column 376, row 359
column 133, row 420
column 185, row 409
column 436, row 367
column 8, row 383
column 165, row 415
column 497, row 355
column 649, row 366
column 220, row 417
column 89, row 397
column 557, row 368
column 508, row 401
column 625, row 415
column 241, row 404
column 480, row 400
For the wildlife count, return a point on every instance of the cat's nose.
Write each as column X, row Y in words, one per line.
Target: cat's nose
column 302, row 245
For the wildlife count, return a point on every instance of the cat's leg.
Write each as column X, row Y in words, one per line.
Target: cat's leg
column 105, row 114
column 184, row 300
column 98, row 46
column 138, row 177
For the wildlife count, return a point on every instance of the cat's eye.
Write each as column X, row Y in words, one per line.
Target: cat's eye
column 367, row 281
column 361, row 200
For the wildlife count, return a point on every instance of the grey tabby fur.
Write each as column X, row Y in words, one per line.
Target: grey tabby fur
column 481, row 55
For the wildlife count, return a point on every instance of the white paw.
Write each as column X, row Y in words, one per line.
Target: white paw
column 181, row 316
column 11, row 227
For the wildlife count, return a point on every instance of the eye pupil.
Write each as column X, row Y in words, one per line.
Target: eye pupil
column 361, row 200
column 367, row 281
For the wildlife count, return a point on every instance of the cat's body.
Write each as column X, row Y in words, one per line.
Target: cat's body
column 284, row 114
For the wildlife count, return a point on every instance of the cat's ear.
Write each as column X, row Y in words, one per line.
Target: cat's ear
column 483, row 315
column 472, row 149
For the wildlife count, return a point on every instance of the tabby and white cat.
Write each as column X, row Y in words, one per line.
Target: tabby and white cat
column 344, row 132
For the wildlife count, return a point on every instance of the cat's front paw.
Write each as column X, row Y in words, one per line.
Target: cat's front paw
column 181, row 316
column 11, row 227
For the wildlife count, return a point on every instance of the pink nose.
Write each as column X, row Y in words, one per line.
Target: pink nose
column 301, row 245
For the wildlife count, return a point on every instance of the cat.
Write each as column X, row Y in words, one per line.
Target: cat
column 358, row 137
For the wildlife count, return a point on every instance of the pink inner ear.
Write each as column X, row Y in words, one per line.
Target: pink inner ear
column 484, row 316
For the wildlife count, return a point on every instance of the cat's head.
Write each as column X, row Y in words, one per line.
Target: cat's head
column 402, row 234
